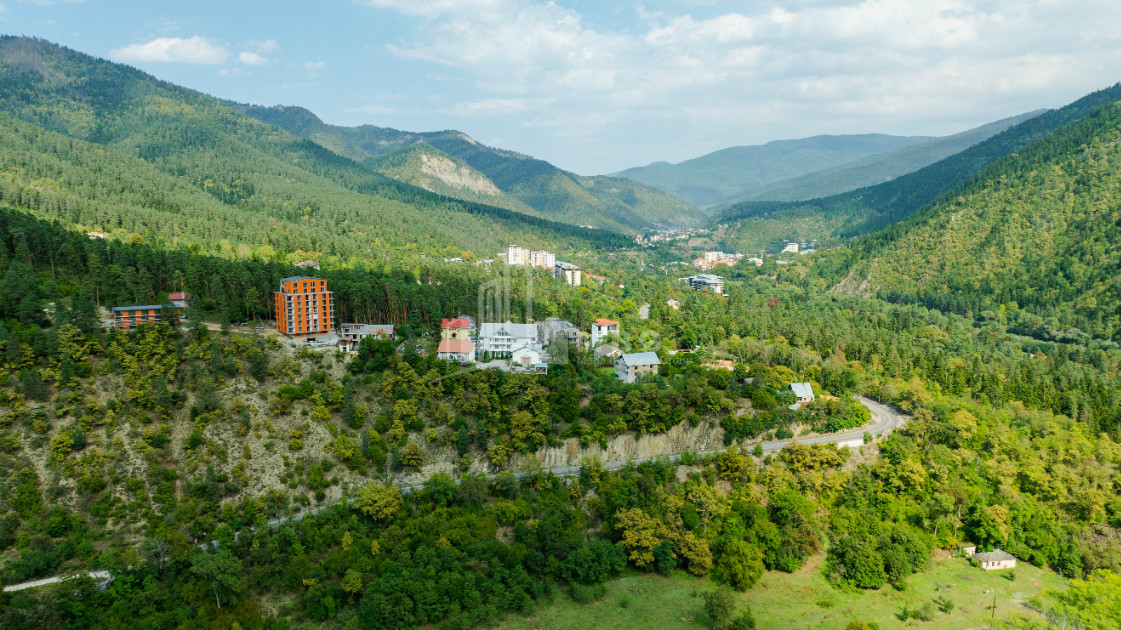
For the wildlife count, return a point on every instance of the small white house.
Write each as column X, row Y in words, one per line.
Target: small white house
column 995, row 559
column 804, row 392
column 525, row 355
column 458, row 350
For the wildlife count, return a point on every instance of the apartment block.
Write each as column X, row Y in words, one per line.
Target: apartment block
column 304, row 307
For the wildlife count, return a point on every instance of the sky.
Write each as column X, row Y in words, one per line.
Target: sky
column 596, row 87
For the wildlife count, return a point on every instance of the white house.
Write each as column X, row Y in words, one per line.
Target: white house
column 525, row 356
column 633, row 365
column 790, row 248
column 603, row 327
column 459, row 350
column 804, row 392
column 502, row 338
column 995, row 559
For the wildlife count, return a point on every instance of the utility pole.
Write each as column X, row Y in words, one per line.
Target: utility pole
column 994, row 606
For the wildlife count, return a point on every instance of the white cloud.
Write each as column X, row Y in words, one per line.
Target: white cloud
column 234, row 72
column 268, row 46
column 197, row 50
column 758, row 73
column 314, row 65
column 251, row 59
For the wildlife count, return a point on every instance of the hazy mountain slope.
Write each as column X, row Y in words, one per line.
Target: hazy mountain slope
column 873, row 208
column 1040, row 229
column 735, row 173
column 268, row 181
column 881, row 167
column 554, row 193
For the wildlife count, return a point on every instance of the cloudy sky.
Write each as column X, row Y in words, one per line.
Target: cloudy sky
column 596, row 86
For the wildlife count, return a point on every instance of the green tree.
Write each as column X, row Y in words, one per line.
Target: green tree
column 219, row 569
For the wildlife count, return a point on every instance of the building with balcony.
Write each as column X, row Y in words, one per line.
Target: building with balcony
column 129, row 317
column 304, row 307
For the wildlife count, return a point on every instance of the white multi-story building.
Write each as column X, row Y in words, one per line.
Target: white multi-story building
column 569, row 272
column 515, row 255
column 502, row 338
column 703, row 281
column 791, row 248
column 601, row 328
column 541, row 258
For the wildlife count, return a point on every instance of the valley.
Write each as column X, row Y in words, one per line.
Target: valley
column 262, row 371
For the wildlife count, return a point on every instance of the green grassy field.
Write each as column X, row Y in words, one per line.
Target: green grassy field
column 799, row 600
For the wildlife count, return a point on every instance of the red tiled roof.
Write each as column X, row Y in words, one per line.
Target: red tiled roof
column 605, row 322
column 457, row 322
column 456, row 346
column 179, row 295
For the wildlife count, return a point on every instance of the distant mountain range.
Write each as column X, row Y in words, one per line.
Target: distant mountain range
column 881, row 167
column 104, row 147
column 481, row 173
column 737, row 173
column 749, row 225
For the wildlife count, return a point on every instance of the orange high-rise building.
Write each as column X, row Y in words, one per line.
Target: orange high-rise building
column 304, row 307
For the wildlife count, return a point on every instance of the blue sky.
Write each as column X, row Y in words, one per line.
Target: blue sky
column 596, row 87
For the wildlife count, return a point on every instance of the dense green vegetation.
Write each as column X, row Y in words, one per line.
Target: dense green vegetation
column 172, row 437
column 175, row 456
column 605, row 202
column 881, row 167
column 111, row 149
column 866, row 210
column 1037, row 231
column 730, row 175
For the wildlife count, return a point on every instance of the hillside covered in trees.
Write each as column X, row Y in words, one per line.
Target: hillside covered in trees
column 604, row 202
column 107, row 148
column 873, row 208
column 121, row 451
column 1038, row 230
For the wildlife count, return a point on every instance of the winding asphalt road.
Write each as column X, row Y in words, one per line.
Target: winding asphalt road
column 884, row 420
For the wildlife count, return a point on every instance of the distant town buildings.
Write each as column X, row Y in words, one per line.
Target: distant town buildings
column 706, row 281
column 304, row 307
column 568, row 272
column 308, row 264
column 603, row 327
column 515, row 255
column 674, row 304
column 630, row 367
column 542, row 259
column 351, row 335
column 790, row 248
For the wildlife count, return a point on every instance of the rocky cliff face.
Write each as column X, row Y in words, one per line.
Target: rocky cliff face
column 680, row 439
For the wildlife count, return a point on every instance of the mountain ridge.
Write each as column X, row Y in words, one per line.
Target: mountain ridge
column 733, row 173
column 611, row 203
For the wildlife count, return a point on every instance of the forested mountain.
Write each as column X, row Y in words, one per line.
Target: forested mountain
column 111, row 149
column 881, row 167
column 1039, row 229
column 602, row 202
column 424, row 166
column 873, row 208
column 732, row 174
